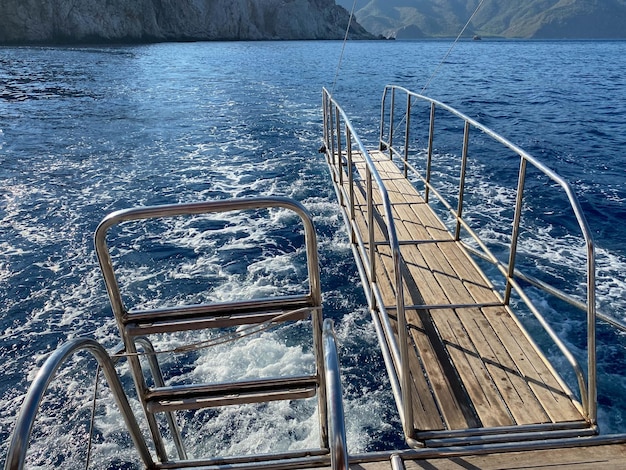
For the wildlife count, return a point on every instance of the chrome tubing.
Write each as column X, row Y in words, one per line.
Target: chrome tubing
column 18, row 446
column 374, row 177
column 198, row 208
column 157, row 376
column 336, row 423
column 588, row 391
column 123, row 316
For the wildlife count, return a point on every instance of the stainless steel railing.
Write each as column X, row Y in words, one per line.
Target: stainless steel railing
column 336, row 424
column 18, row 446
column 196, row 316
column 396, row 351
column 330, row 408
column 401, row 150
column 341, row 141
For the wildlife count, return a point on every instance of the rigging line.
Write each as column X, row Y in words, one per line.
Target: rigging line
column 92, row 419
column 452, row 47
column 343, row 48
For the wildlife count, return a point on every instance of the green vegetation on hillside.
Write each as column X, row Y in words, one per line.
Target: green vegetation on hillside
column 567, row 19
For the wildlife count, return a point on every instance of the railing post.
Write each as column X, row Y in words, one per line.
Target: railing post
column 391, row 113
column 336, row 421
column 382, row 120
column 350, row 176
column 405, row 379
column 515, row 233
column 591, row 334
column 331, row 133
column 459, row 212
column 431, row 136
column 338, row 135
column 339, row 156
column 406, row 133
column 370, row 225
column 325, row 116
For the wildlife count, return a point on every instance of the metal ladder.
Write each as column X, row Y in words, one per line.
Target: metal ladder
column 136, row 327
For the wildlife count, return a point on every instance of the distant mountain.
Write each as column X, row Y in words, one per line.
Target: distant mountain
column 539, row 19
column 71, row 21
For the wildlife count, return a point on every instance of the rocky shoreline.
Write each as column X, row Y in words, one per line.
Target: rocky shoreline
column 124, row 21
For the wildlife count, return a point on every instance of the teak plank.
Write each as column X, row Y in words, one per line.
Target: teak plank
column 607, row 456
column 489, row 406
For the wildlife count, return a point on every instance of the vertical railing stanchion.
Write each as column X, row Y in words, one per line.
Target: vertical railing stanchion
column 324, row 116
column 370, row 224
column 337, row 427
column 459, row 211
column 350, row 175
column 429, row 158
column 338, row 137
column 515, row 233
column 381, row 138
column 592, row 387
column 331, row 136
column 406, row 134
column 391, row 109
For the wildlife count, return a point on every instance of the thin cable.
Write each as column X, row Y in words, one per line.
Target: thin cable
column 343, row 48
column 452, row 46
column 444, row 58
column 92, row 419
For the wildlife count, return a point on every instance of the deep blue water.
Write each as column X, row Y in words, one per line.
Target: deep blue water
column 85, row 131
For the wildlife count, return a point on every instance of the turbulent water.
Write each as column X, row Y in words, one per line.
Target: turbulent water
column 85, row 131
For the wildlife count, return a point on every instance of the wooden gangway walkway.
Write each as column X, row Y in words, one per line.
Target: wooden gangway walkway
column 472, row 366
column 463, row 368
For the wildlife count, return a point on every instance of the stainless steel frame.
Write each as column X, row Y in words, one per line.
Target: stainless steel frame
column 395, row 352
column 18, row 446
column 138, row 323
column 336, row 424
column 133, row 325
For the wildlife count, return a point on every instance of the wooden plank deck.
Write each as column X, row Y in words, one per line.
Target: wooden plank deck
column 576, row 458
column 472, row 367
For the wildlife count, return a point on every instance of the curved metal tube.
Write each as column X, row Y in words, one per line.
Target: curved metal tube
column 198, row 208
column 157, row 376
column 588, row 390
column 18, row 446
column 394, row 245
column 336, row 423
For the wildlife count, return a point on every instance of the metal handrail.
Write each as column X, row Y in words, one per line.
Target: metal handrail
column 336, row 423
column 18, row 446
column 333, row 115
column 123, row 316
column 198, row 208
column 587, row 388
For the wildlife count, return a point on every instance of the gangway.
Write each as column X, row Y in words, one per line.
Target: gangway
column 463, row 368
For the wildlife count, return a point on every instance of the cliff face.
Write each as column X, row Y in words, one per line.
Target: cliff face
column 162, row 20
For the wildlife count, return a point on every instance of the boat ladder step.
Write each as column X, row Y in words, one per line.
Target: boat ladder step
column 190, row 326
column 219, row 315
column 191, row 397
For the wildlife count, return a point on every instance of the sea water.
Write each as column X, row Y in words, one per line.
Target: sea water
column 88, row 130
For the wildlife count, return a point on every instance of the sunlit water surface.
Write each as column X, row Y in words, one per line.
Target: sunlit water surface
column 85, row 131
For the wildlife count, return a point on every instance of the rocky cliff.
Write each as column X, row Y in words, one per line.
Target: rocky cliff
column 36, row 21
